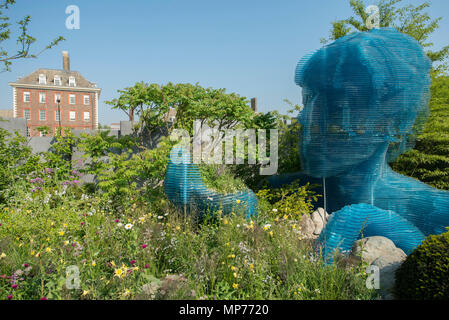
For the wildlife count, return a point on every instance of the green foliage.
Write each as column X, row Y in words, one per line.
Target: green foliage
column 409, row 19
column 429, row 160
column 24, row 39
column 152, row 102
column 424, row 274
column 291, row 200
column 15, row 162
column 220, row 179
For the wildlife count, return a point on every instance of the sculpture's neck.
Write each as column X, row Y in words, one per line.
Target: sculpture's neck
column 360, row 181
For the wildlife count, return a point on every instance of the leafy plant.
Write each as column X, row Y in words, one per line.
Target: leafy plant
column 424, row 273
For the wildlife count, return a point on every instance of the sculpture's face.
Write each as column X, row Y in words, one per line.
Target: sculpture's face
column 337, row 136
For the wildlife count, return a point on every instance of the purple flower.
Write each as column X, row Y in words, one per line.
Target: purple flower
column 76, row 181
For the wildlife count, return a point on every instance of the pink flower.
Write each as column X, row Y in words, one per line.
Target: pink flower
column 10, row 297
column 147, row 266
column 44, row 298
column 14, row 286
column 26, row 265
column 133, row 261
column 117, row 220
column 144, row 246
column 82, row 223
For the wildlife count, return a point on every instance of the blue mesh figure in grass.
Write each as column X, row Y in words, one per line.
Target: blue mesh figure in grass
column 365, row 97
column 186, row 190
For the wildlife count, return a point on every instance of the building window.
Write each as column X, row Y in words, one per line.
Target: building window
column 57, row 115
column 57, row 98
column 27, row 114
column 28, row 132
column 86, row 100
column 42, row 79
column 42, row 97
column 72, row 99
column 72, row 82
column 57, row 80
column 72, row 115
column 26, row 97
column 86, row 116
column 42, row 115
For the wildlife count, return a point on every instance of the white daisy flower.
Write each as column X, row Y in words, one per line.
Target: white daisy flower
column 128, row 226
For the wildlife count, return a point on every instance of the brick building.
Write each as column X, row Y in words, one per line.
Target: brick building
column 55, row 98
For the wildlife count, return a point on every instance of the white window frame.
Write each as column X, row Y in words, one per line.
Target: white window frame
column 42, row 79
column 88, row 100
column 25, row 114
column 26, row 94
column 88, row 116
column 57, row 115
column 42, row 94
column 70, row 115
column 72, row 81
column 40, row 115
column 58, row 80
column 28, row 132
column 56, row 97
column 70, row 99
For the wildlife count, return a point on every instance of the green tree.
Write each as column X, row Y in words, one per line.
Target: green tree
column 24, row 39
column 409, row 19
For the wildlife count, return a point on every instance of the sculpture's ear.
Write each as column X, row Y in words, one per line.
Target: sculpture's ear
column 301, row 66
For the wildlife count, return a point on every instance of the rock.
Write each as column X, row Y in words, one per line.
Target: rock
column 319, row 218
column 307, row 227
column 382, row 253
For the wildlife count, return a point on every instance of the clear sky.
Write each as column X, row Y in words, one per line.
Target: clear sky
column 246, row 46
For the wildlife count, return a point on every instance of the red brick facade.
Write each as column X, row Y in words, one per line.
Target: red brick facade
column 50, row 107
column 37, row 100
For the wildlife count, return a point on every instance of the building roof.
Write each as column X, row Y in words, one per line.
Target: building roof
column 33, row 79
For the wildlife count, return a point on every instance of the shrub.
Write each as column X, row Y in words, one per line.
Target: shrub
column 425, row 272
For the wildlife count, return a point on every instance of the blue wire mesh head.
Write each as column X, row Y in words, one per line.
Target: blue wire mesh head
column 185, row 188
column 359, row 92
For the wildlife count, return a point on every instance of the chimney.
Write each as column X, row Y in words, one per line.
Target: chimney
column 65, row 61
column 254, row 104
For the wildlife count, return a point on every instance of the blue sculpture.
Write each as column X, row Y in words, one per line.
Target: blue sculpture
column 365, row 98
column 185, row 188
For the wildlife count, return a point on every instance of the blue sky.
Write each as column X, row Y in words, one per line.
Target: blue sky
column 248, row 47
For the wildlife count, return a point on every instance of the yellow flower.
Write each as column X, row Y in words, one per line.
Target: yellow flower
column 31, row 241
column 113, row 263
column 235, row 274
column 285, row 217
column 233, row 268
column 64, row 225
column 294, row 226
column 85, row 292
column 3, row 255
column 232, row 256
column 238, row 201
column 66, row 242
column 142, row 219
column 94, row 263
column 178, row 228
column 271, row 233
column 61, row 233
column 37, row 255
column 251, row 266
column 225, row 221
column 48, row 249
column 119, row 273
column 227, row 244
column 32, row 252
column 126, row 293
column 235, row 285
column 28, row 211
